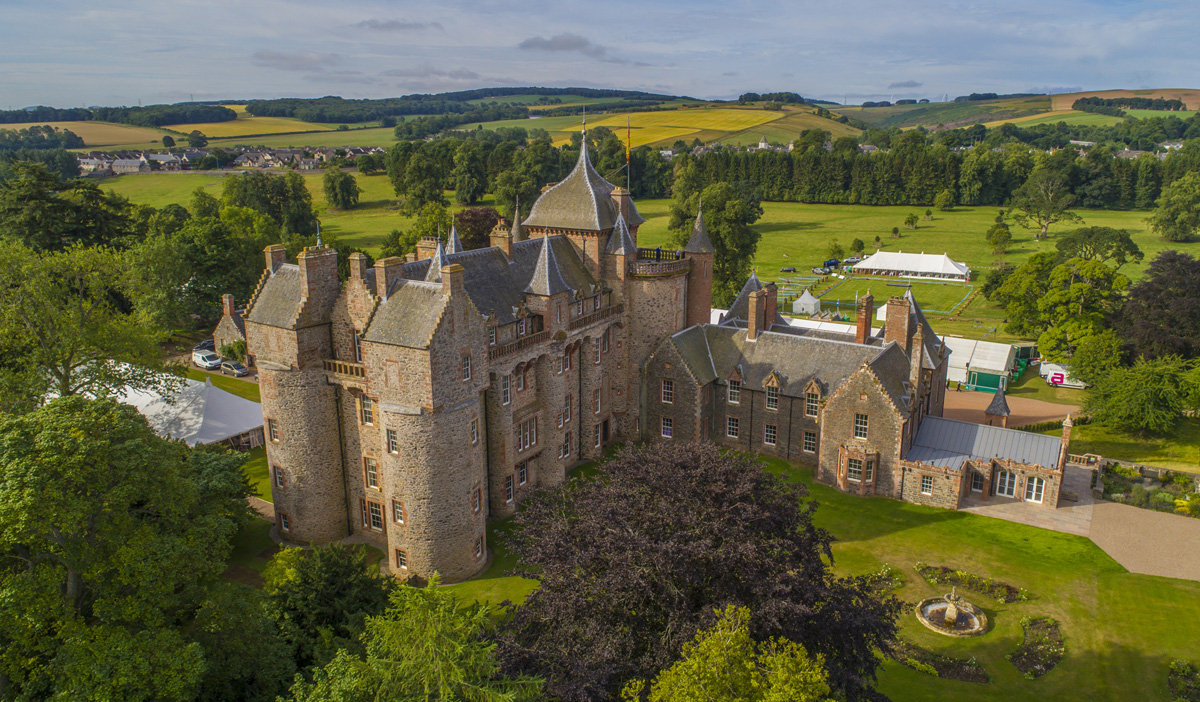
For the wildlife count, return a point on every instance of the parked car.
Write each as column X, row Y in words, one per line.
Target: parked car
column 206, row 345
column 789, row 269
column 853, row 260
column 234, row 368
column 206, row 360
column 831, row 264
column 821, row 271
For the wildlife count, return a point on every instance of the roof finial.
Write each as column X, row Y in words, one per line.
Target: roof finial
column 585, row 121
column 319, row 234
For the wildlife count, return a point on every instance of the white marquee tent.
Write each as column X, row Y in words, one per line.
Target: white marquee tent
column 806, row 304
column 912, row 265
column 200, row 413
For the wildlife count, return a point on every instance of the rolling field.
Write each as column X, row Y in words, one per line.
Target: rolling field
column 950, row 114
column 1189, row 96
column 248, row 124
column 782, row 131
column 101, row 134
column 1087, row 118
column 371, row 136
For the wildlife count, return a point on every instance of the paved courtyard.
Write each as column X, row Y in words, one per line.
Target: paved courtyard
column 968, row 406
column 1069, row 518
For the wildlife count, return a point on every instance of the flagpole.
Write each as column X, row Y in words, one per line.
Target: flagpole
column 628, row 141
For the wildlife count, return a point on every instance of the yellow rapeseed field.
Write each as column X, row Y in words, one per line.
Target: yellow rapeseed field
column 666, row 126
column 98, row 134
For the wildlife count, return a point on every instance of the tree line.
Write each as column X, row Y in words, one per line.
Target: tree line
column 148, row 116
column 1129, row 103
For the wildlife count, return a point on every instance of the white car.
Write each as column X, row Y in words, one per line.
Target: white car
column 206, row 360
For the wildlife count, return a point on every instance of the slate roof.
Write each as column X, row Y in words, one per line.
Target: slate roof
column 740, row 309
column 409, row 316
column 699, row 241
column 547, row 279
column 453, row 243
column 949, row 443
column 620, row 242
column 278, row 303
column 581, row 201
column 892, row 368
column 497, row 286
column 713, row 352
column 998, row 407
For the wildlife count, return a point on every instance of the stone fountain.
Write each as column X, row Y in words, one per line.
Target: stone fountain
column 951, row 615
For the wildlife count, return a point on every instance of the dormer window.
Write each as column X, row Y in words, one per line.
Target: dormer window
column 811, row 404
column 734, row 393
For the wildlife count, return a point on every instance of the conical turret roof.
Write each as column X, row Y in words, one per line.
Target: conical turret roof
column 998, row 406
column 453, row 243
column 699, row 241
column 518, row 230
column 581, row 201
column 434, row 275
column 547, row 278
column 620, row 242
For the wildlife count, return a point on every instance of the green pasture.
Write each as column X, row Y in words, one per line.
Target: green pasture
column 1178, row 451
column 950, row 114
column 934, row 298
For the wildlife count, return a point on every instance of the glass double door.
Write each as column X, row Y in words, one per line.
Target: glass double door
column 1006, row 484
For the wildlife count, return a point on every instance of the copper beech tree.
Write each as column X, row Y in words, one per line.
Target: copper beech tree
column 635, row 561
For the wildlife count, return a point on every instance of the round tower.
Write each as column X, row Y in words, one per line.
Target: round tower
column 700, row 278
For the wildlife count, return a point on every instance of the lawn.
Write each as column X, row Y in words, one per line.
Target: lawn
column 1121, row 629
column 257, row 473
column 934, row 298
column 101, row 134
column 237, row 386
column 1179, row 451
column 1034, row 387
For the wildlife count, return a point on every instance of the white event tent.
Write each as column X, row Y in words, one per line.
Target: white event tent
column 201, row 413
column 913, row 265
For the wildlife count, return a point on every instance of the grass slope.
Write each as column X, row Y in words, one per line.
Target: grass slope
column 247, row 123
column 241, row 388
column 1179, row 451
column 950, row 114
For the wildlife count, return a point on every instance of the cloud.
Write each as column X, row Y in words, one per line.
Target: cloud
column 396, row 25
column 306, row 61
column 905, row 84
column 427, row 70
column 565, row 42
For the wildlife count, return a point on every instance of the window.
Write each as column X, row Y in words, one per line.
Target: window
column 479, row 547
column 367, row 410
column 505, row 390
column 810, row 442
column 567, row 362
column 567, row 408
column 397, row 512
column 273, row 430
column 401, row 559
column 393, row 441
column 558, row 365
column 596, row 302
column 526, row 434
column 362, row 504
column 772, row 398
column 604, row 340
column 523, row 473
column 476, row 500
column 491, row 336
column 668, row 426
column 371, row 468
column 520, row 381
column 731, row 427
column 854, row 470
column 770, row 431
column 977, row 482
column 357, row 346
column 734, row 394
column 521, row 327
column 283, row 522
column 860, row 426
column 278, row 476
column 565, row 449
column 869, row 473
column 375, row 515
column 926, row 484
column 596, row 351
column 474, row 430
column 596, row 401
column 668, row 391
column 466, row 367
column 596, row 436
column 508, row 488
column 579, row 310
column 1006, row 484
column 810, row 404
column 1034, row 488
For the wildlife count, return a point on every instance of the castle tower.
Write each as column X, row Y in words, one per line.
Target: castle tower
column 700, row 278
column 288, row 327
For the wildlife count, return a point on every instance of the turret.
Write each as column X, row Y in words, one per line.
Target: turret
column 700, row 278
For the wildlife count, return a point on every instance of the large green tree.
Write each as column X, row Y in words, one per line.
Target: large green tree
column 1177, row 212
column 65, row 330
column 341, row 189
column 729, row 212
column 1080, row 296
column 44, row 211
column 1044, row 199
column 469, row 174
column 725, row 663
column 1161, row 315
column 110, row 538
column 1099, row 244
column 1148, row 397
column 422, row 183
column 425, row 646
column 283, row 198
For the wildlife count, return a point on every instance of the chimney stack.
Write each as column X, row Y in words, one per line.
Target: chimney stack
column 863, row 315
column 758, row 303
column 915, row 358
column 452, row 280
column 358, row 267
column 227, row 305
column 501, row 238
column 771, row 308
column 276, row 255
column 386, row 271
column 896, row 321
column 318, row 272
column 426, row 247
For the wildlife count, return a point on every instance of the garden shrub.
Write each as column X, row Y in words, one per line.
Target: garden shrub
column 937, row 665
column 1183, row 679
column 1042, row 648
column 995, row 589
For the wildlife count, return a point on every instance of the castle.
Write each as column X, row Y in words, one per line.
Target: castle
column 423, row 397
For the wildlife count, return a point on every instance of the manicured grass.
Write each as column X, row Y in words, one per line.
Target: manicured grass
column 257, row 472
column 237, row 386
column 102, row 134
column 1179, row 451
column 934, row 298
column 1034, row 387
column 1121, row 629
column 494, row 586
column 252, row 551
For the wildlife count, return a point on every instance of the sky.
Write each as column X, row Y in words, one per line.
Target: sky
column 119, row 52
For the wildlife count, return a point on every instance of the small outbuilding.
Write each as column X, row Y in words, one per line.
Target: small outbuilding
column 912, row 265
column 806, row 304
column 980, row 365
